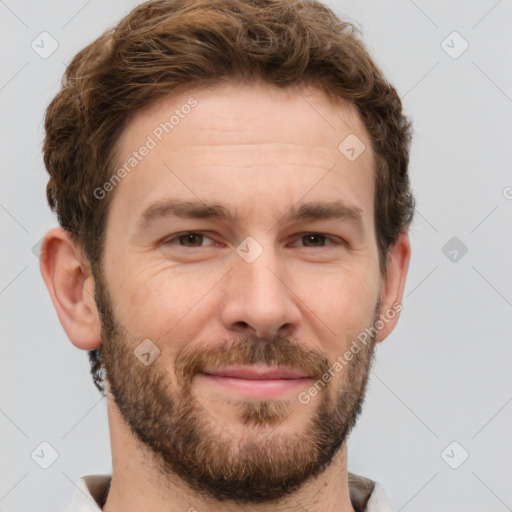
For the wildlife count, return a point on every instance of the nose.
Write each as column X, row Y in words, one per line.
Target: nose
column 259, row 297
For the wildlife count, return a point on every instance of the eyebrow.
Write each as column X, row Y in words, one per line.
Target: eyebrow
column 325, row 210
column 312, row 211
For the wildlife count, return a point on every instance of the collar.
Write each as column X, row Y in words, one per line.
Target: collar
column 365, row 494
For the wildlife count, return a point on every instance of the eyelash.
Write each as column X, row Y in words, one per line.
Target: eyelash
column 332, row 239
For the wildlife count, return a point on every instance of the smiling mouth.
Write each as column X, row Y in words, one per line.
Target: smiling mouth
column 256, row 372
column 257, row 381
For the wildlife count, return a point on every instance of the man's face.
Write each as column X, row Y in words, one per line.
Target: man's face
column 276, row 282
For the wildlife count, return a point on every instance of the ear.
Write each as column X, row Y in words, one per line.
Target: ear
column 398, row 258
column 70, row 283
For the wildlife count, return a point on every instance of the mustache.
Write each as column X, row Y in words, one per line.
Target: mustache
column 276, row 351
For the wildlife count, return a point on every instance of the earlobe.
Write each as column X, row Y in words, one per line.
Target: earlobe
column 71, row 286
column 399, row 255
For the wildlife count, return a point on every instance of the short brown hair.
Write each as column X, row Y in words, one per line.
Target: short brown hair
column 163, row 47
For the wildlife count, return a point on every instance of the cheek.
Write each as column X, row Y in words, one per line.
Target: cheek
column 156, row 299
column 341, row 304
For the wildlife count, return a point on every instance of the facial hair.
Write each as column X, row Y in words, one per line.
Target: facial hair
column 181, row 434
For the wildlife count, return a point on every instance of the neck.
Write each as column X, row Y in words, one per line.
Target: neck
column 138, row 483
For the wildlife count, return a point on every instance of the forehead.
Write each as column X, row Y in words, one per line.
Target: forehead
column 242, row 146
column 246, row 113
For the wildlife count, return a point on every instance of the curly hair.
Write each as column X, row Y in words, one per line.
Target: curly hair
column 164, row 47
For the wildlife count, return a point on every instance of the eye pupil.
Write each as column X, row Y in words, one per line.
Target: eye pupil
column 313, row 238
column 191, row 238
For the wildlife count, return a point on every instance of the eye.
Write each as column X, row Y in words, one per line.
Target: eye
column 319, row 240
column 188, row 239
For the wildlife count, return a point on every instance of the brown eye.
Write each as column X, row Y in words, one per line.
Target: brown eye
column 314, row 240
column 191, row 239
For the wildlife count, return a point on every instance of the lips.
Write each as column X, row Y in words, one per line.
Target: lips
column 256, row 372
column 255, row 382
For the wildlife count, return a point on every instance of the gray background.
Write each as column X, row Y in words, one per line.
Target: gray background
column 444, row 375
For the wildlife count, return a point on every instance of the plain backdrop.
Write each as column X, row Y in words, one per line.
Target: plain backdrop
column 437, row 422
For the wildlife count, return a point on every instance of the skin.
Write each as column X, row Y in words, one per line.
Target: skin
column 258, row 151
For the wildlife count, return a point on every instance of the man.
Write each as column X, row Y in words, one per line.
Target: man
column 231, row 182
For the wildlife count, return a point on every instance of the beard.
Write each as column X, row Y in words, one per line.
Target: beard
column 185, row 438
